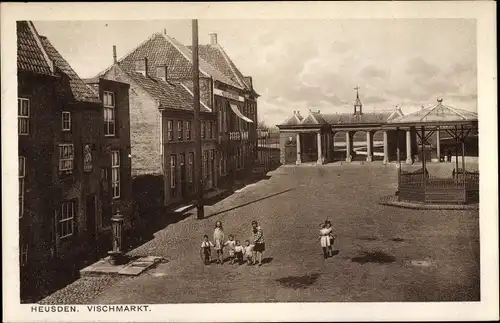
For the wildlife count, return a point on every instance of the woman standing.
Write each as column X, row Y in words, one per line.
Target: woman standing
column 219, row 241
column 258, row 241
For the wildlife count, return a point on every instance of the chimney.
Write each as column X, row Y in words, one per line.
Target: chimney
column 213, row 38
column 161, row 72
column 164, row 31
column 114, row 54
column 141, row 66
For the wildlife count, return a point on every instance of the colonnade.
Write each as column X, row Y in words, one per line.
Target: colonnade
column 328, row 145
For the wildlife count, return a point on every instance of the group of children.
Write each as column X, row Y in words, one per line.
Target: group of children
column 237, row 252
column 326, row 238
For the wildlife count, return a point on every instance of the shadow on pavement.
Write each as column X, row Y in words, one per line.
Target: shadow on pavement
column 267, row 260
column 248, row 203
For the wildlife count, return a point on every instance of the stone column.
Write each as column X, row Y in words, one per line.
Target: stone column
column 438, row 145
column 348, row 148
column 320, row 154
column 369, row 156
column 408, row 147
column 386, row 148
column 299, row 160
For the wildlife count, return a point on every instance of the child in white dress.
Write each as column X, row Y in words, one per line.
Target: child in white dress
column 248, row 252
column 219, row 241
column 231, row 244
column 324, row 238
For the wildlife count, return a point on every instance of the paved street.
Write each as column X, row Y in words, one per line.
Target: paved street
column 384, row 253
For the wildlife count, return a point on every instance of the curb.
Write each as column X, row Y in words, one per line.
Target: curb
column 391, row 201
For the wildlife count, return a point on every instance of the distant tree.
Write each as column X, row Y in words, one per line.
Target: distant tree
column 262, row 125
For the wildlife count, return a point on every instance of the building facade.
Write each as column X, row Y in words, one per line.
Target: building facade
column 61, row 142
column 162, row 131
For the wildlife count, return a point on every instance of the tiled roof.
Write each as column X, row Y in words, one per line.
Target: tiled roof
column 294, row 120
column 350, row 118
column 30, row 56
column 160, row 50
column 437, row 113
column 78, row 90
column 171, row 95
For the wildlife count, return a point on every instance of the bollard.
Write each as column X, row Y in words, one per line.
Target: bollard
column 116, row 256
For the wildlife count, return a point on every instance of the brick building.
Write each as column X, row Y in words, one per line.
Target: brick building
column 161, row 102
column 61, row 155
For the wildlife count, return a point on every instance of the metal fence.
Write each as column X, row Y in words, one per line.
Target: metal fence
column 268, row 148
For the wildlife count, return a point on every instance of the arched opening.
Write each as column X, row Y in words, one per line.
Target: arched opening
column 338, row 147
column 359, row 146
column 378, row 145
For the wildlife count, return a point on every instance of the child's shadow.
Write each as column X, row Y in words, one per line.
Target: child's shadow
column 267, row 260
column 335, row 252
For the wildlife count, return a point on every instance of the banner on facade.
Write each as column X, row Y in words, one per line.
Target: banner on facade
column 229, row 95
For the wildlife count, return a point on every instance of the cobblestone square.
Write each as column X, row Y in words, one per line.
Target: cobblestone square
column 381, row 253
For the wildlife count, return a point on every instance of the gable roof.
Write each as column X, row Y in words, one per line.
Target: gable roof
column 168, row 94
column 437, row 113
column 78, row 90
column 31, row 55
column 160, row 50
column 317, row 118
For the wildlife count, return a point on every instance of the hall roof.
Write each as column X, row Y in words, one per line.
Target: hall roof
column 318, row 118
column 437, row 114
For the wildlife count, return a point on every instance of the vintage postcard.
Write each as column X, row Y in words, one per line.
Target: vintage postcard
column 301, row 161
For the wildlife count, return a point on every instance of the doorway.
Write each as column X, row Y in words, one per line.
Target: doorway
column 183, row 176
column 91, row 216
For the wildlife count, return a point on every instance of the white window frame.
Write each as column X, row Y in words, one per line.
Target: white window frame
column 21, row 175
column 173, row 179
column 179, row 130
column 170, row 130
column 110, row 117
column 116, row 173
column 23, row 116
column 69, row 157
column 66, row 219
column 66, row 123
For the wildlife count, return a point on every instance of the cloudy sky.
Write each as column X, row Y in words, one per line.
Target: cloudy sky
column 309, row 64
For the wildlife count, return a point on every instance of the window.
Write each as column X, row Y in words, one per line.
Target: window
column 23, row 116
column 66, row 121
column 109, row 113
column 66, row 157
column 202, row 129
column 23, row 254
column 188, row 130
column 65, row 225
column 205, row 164
column 210, row 130
column 115, row 173
column 190, row 167
column 21, row 175
column 179, row 130
column 172, row 171
column 170, row 130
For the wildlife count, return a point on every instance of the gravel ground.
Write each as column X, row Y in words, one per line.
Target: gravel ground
column 82, row 290
column 383, row 253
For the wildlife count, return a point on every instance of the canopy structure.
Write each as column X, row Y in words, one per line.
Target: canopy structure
column 237, row 111
column 463, row 186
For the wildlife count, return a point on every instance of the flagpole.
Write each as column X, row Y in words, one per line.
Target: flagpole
column 197, row 123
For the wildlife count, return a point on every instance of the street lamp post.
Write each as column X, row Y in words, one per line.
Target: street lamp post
column 197, row 124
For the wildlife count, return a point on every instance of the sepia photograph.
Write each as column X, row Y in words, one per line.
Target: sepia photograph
column 263, row 160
